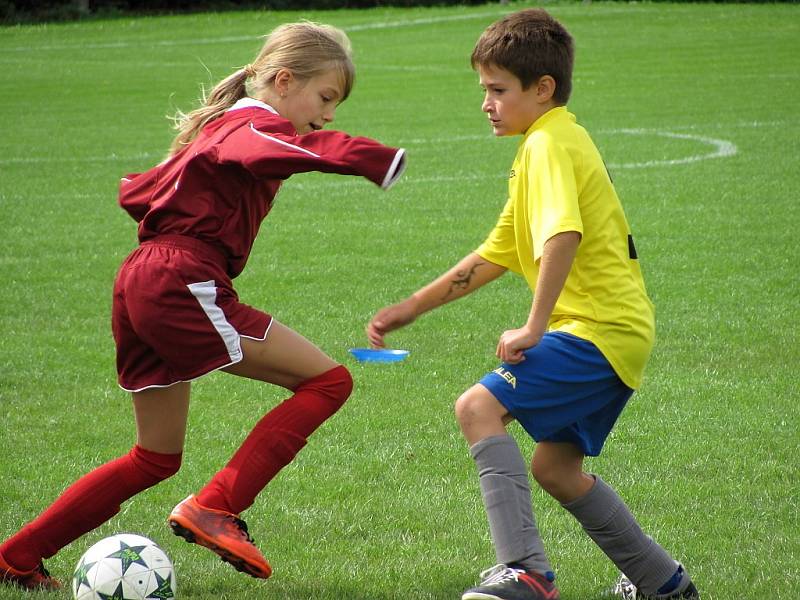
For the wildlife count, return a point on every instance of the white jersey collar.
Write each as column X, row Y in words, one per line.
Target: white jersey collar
column 248, row 102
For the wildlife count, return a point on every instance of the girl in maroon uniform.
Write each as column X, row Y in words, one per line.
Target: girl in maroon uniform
column 176, row 315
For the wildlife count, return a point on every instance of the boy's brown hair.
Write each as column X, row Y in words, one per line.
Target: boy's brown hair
column 529, row 43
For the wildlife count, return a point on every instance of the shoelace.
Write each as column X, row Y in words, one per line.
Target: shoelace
column 242, row 527
column 625, row 589
column 499, row 574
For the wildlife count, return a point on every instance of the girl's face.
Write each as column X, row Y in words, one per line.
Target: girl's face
column 511, row 110
column 309, row 104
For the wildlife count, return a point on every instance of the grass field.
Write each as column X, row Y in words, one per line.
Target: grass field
column 694, row 108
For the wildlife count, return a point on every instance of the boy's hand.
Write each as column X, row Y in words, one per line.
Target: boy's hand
column 388, row 319
column 514, row 342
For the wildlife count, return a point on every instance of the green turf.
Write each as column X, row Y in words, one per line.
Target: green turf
column 384, row 502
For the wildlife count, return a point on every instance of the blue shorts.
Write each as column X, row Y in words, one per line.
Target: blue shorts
column 564, row 391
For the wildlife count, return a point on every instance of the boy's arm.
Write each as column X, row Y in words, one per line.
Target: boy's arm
column 556, row 262
column 468, row 275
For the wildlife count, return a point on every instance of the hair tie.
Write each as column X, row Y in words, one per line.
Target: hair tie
column 249, row 70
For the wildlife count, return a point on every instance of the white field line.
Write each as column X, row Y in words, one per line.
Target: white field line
column 724, row 126
column 722, row 147
column 249, row 38
column 421, row 21
column 719, row 149
column 377, row 25
column 34, row 160
column 134, row 44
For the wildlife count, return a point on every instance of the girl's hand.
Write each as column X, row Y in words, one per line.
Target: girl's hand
column 388, row 319
column 514, row 342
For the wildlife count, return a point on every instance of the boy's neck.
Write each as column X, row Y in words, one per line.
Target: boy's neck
column 545, row 110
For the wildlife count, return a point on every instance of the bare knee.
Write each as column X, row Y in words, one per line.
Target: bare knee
column 469, row 407
column 480, row 414
column 548, row 475
column 561, row 475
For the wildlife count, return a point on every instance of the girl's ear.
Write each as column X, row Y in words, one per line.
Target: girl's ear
column 545, row 88
column 283, row 81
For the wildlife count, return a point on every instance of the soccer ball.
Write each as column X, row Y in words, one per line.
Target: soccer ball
column 124, row 567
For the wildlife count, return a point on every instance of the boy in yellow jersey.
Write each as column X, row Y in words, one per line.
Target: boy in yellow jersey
column 568, row 371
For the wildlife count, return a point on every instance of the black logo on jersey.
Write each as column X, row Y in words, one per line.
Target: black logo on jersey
column 631, row 248
column 512, row 174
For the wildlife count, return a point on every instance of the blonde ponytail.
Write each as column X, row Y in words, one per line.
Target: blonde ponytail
column 306, row 49
column 222, row 97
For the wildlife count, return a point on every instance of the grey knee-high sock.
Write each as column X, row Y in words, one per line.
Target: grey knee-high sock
column 607, row 520
column 507, row 498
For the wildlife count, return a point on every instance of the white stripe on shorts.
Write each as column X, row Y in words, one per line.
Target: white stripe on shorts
column 206, row 294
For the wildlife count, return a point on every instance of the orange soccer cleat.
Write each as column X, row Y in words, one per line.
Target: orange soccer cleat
column 221, row 532
column 35, row 579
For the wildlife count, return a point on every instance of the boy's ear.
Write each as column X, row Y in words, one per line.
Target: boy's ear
column 545, row 88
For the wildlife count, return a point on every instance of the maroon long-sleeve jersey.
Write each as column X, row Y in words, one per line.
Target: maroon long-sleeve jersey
column 221, row 187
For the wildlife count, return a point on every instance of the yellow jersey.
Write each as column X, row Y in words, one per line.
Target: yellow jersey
column 559, row 183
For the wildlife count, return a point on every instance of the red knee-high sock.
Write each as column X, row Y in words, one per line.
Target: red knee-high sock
column 275, row 441
column 87, row 504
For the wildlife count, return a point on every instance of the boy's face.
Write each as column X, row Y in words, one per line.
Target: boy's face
column 511, row 109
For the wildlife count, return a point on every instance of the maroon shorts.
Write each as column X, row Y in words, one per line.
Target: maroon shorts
column 176, row 315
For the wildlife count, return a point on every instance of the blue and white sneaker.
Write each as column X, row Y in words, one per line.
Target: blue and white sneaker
column 624, row 589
